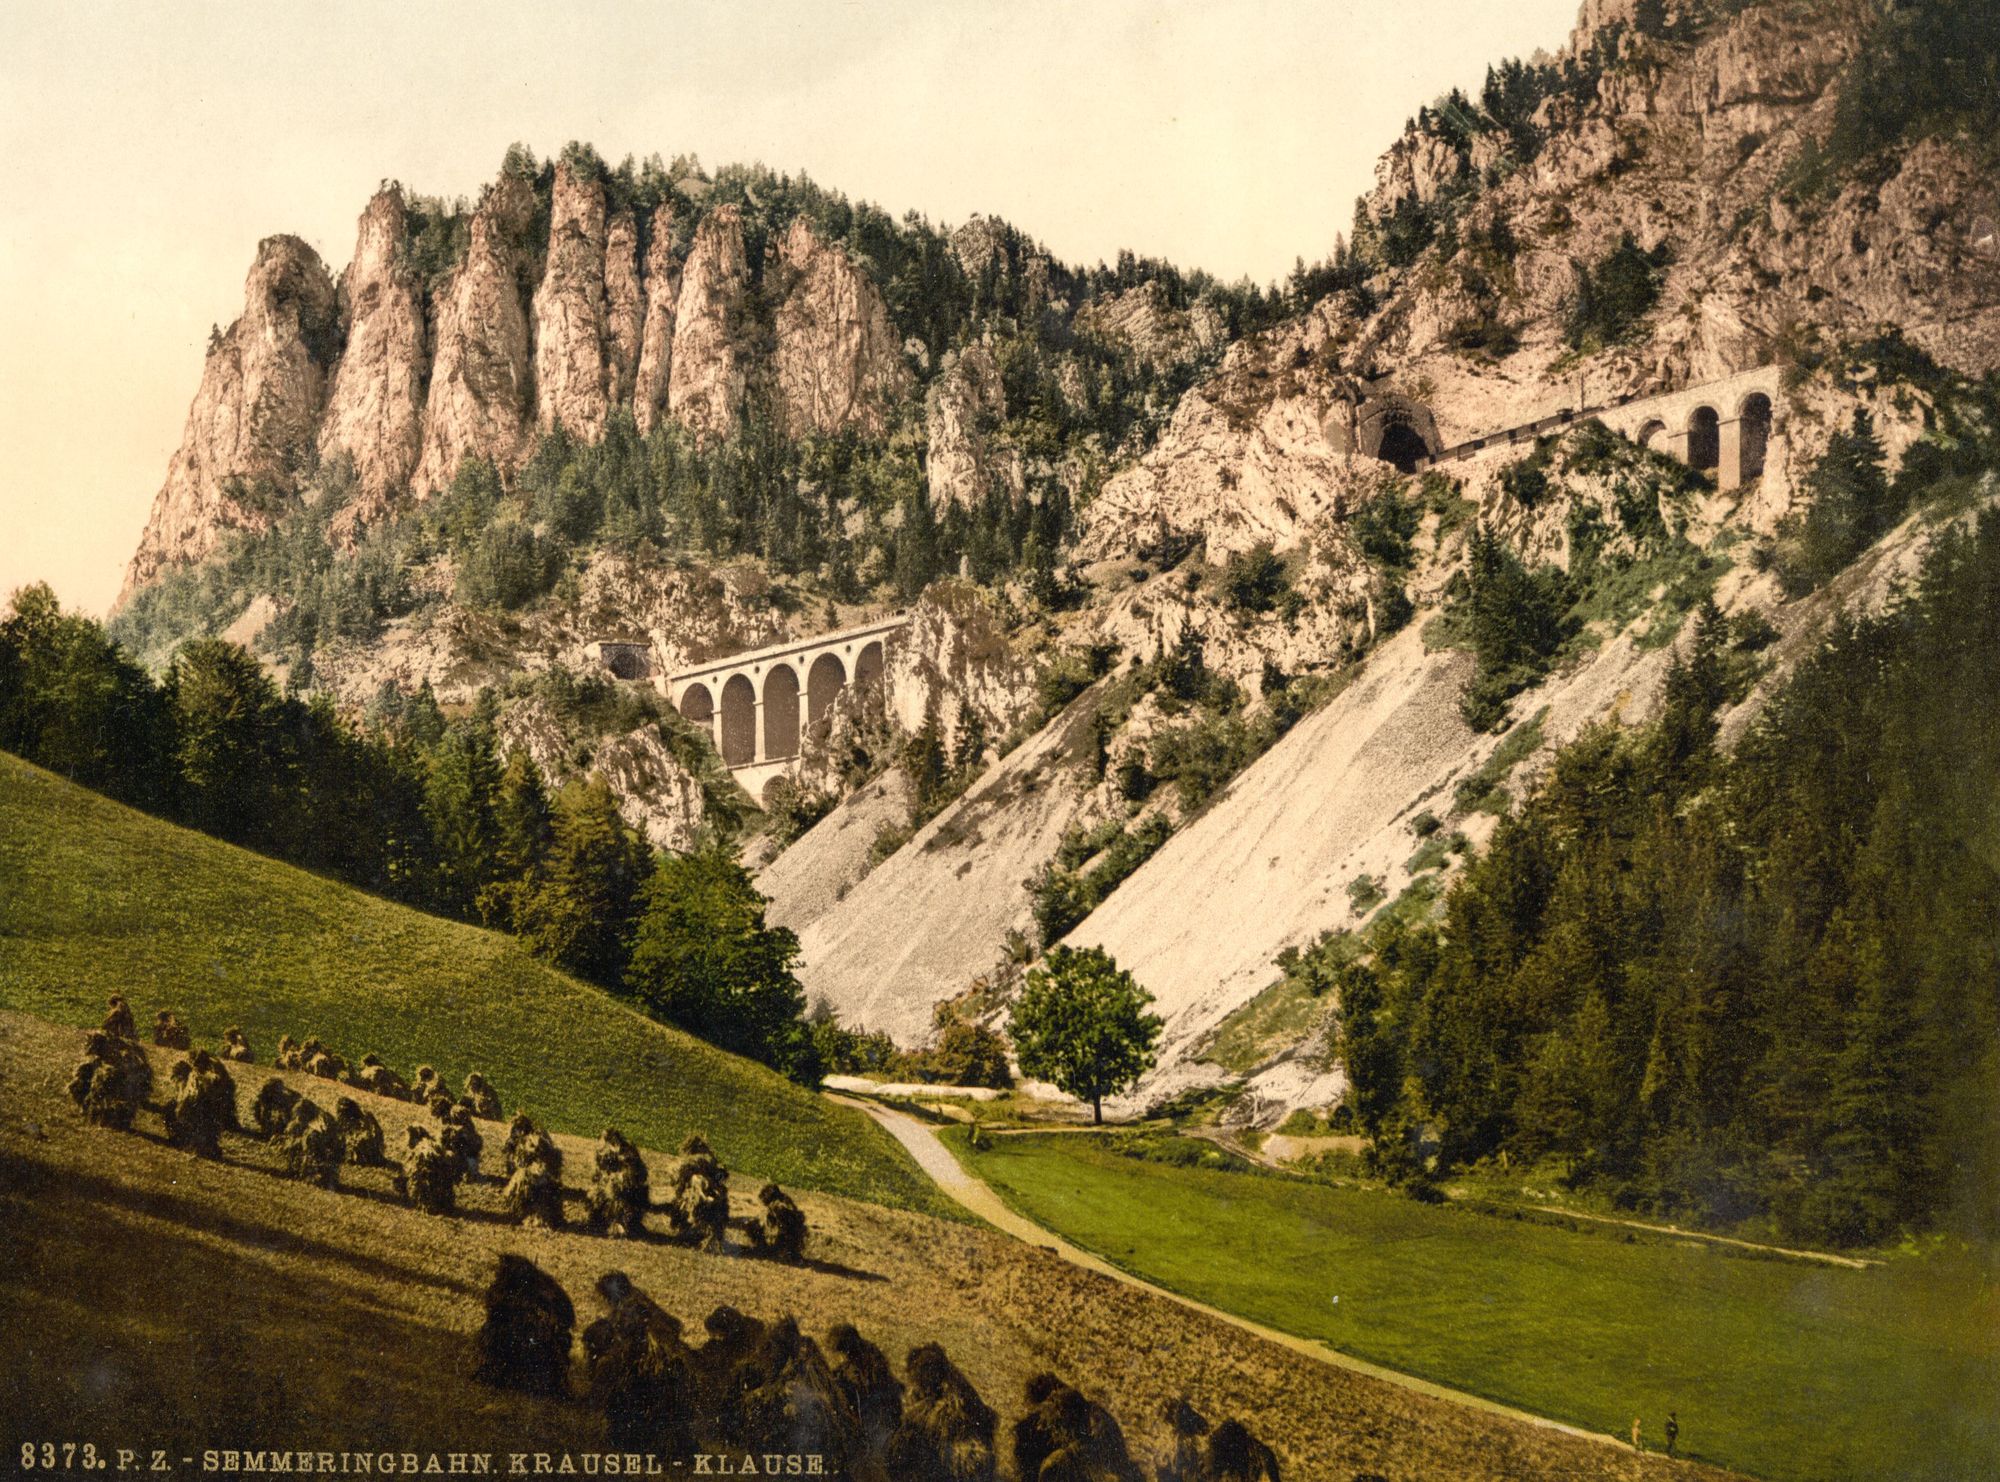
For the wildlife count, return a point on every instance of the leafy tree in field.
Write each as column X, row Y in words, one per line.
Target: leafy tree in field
column 970, row 1055
column 578, row 909
column 1081, row 1022
column 704, row 959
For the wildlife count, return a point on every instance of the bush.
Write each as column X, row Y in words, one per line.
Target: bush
column 1614, row 295
column 1254, row 580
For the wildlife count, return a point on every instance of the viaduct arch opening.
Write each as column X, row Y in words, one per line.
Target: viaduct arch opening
column 1704, row 439
column 824, row 682
column 739, row 721
column 781, row 712
column 868, row 665
column 1653, row 436
column 698, row 705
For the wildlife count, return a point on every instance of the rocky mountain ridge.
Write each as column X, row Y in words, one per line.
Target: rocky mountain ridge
column 1236, row 681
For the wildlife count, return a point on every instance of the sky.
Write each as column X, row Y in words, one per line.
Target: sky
column 147, row 145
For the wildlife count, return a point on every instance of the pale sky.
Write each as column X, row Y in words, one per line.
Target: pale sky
column 146, row 146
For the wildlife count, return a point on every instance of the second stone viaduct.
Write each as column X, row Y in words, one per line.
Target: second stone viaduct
column 1721, row 427
column 759, row 707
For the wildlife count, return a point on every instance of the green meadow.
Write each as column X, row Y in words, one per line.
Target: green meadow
column 1777, row 1367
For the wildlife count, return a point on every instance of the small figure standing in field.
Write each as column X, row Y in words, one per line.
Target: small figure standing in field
column 1673, row 1431
column 1635, row 1434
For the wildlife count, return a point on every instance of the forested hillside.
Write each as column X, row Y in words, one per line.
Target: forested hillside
column 1729, row 987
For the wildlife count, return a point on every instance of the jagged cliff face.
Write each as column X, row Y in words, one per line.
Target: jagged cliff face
column 963, row 407
column 483, row 377
column 573, row 340
column 839, row 363
column 661, row 300
column 375, row 409
column 1688, row 144
column 256, row 415
column 1157, row 334
column 708, row 373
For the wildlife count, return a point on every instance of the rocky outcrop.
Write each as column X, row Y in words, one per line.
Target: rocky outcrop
column 962, row 408
column 483, row 375
column 656, row 341
column 655, row 793
column 255, row 417
column 838, row 360
column 708, row 374
column 572, row 328
column 375, row 409
column 1231, row 477
column 1156, row 334
column 624, row 308
column 955, row 656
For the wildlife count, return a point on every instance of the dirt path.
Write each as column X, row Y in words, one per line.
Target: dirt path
column 936, row 1160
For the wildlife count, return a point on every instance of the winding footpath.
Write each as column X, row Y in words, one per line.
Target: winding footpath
column 921, row 1141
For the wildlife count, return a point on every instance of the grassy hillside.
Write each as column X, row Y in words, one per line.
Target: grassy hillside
column 1779, row 1368
column 96, row 898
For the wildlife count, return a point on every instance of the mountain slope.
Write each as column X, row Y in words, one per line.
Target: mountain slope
column 96, row 899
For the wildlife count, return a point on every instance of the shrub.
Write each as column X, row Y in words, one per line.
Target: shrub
column 1254, row 580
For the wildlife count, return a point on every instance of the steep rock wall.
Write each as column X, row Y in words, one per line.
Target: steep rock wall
column 483, row 374
column 255, row 415
column 708, row 374
column 375, row 409
column 838, row 361
column 571, row 326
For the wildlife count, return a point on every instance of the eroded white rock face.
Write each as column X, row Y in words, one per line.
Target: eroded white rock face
column 571, row 323
column 655, row 793
column 255, row 416
column 1150, row 329
column 481, row 379
column 838, row 360
column 375, row 408
column 1232, row 477
column 963, row 407
column 656, row 344
column 708, row 371
column 955, row 656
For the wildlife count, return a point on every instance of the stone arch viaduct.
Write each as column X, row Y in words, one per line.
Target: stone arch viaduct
column 1723, row 427
column 759, row 707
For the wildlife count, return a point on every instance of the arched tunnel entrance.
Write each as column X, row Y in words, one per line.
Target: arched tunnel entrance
column 1403, row 446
